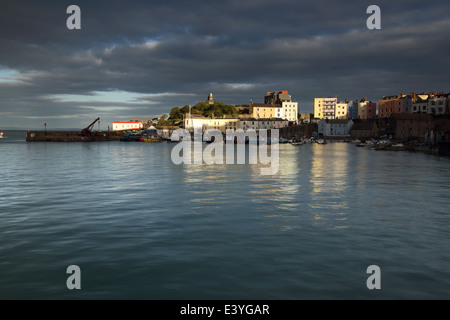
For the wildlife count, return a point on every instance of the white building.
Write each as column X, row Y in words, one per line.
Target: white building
column 127, row 125
column 335, row 128
column 198, row 123
column 341, row 110
column 437, row 104
column 420, row 105
column 289, row 111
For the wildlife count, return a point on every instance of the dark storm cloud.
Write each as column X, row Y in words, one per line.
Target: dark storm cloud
column 172, row 53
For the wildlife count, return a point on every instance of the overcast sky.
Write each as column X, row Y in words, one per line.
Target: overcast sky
column 141, row 58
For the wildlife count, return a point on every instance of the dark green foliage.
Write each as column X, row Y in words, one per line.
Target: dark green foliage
column 202, row 108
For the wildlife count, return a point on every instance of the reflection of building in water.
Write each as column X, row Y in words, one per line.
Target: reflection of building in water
column 281, row 188
column 329, row 179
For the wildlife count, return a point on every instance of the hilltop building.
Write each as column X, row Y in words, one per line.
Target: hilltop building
column 210, row 99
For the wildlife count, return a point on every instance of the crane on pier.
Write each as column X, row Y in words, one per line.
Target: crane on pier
column 88, row 130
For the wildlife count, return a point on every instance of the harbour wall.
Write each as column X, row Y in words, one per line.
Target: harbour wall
column 71, row 136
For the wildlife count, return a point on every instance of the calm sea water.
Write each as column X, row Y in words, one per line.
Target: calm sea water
column 141, row 227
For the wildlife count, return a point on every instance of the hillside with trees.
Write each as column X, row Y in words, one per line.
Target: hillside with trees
column 218, row 109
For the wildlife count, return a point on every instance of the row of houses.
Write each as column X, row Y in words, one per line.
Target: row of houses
column 331, row 109
column 429, row 103
column 422, row 103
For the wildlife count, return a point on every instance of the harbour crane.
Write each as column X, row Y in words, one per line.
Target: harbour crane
column 88, row 130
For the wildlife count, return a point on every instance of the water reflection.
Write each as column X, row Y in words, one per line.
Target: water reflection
column 329, row 181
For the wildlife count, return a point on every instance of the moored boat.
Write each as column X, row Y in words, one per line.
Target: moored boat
column 151, row 139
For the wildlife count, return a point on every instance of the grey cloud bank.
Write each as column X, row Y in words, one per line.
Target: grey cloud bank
column 141, row 58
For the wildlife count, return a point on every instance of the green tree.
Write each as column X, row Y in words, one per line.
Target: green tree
column 175, row 114
column 163, row 120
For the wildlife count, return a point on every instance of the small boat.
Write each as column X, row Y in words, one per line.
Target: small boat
column 154, row 140
column 297, row 143
column 1, row 135
column 321, row 141
column 150, row 138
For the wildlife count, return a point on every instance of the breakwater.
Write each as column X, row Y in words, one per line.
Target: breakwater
column 71, row 136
